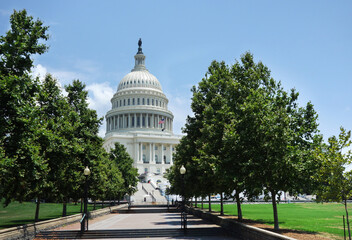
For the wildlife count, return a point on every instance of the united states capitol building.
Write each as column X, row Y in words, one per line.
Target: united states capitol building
column 140, row 120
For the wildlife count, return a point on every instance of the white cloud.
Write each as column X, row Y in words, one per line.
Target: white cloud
column 39, row 71
column 180, row 107
column 99, row 98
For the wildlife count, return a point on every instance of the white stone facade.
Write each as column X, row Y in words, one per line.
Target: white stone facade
column 141, row 121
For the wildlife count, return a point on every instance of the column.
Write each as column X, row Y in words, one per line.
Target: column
column 150, row 153
column 136, row 157
column 146, row 120
column 123, row 120
column 141, row 152
column 135, row 121
column 153, row 120
column 153, row 152
column 129, row 120
column 141, row 120
column 107, row 125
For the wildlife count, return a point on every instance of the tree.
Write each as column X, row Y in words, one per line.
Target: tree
column 20, row 43
column 86, row 149
column 250, row 134
column 335, row 184
column 23, row 170
column 124, row 164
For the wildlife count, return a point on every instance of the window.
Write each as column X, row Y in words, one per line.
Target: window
column 124, row 102
column 164, row 148
column 143, row 146
column 143, row 103
column 156, row 102
column 138, row 101
column 132, row 124
column 148, row 101
column 133, row 101
column 120, row 103
column 157, row 161
column 153, row 102
column 143, row 121
column 138, row 122
column 145, row 159
column 128, row 102
column 156, row 148
column 165, row 159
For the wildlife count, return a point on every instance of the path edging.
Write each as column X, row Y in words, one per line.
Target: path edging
column 28, row 231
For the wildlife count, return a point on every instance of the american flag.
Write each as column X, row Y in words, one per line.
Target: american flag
column 162, row 121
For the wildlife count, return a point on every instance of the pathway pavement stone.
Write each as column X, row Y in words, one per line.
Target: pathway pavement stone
column 145, row 222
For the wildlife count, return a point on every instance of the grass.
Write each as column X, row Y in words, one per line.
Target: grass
column 310, row 217
column 16, row 213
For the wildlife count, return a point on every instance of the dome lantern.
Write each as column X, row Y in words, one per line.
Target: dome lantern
column 139, row 59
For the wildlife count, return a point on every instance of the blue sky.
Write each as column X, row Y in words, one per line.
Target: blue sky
column 306, row 44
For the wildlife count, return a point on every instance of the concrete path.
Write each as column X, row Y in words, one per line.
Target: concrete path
column 147, row 222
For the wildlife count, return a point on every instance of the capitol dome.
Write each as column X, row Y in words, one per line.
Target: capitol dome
column 140, row 119
column 139, row 79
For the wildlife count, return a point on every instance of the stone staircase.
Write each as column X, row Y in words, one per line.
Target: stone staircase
column 147, row 193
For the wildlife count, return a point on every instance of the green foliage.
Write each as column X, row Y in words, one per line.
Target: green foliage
column 335, row 182
column 46, row 139
column 20, row 43
column 124, row 164
column 23, row 170
column 247, row 134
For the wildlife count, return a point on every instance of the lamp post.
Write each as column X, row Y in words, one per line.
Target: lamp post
column 84, row 220
column 183, row 209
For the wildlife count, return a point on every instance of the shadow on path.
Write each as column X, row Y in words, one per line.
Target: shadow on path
column 131, row 233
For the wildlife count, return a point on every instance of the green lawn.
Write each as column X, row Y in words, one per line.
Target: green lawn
column 311, row 217
column 23, row 213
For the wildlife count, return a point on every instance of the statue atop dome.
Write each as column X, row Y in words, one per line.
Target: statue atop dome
column 140, row 46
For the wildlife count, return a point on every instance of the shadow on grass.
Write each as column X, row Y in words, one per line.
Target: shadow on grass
column 260, row 223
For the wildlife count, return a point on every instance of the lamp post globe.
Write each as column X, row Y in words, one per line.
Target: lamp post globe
column 182, row 170
column 86, row 171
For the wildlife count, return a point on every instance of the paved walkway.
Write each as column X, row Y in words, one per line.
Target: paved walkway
column 147, row 222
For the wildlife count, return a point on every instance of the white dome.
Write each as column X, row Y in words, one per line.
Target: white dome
column 139, row 79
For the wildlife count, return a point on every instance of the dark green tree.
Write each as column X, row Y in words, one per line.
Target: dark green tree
column 335, row 183
column 124, row 163
column 23, row 169
column 19, row 44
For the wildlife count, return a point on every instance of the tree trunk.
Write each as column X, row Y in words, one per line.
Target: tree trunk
column 209, row 202
column 221, row 205
column 239, row 209
column 195, row 202
column 348, row 222
column 276, row 219
column 36, row 218
column 64, row 208
column 95, row 204
column 202, row 202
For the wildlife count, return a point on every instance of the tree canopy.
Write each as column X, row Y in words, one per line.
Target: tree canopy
column 247, row 135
